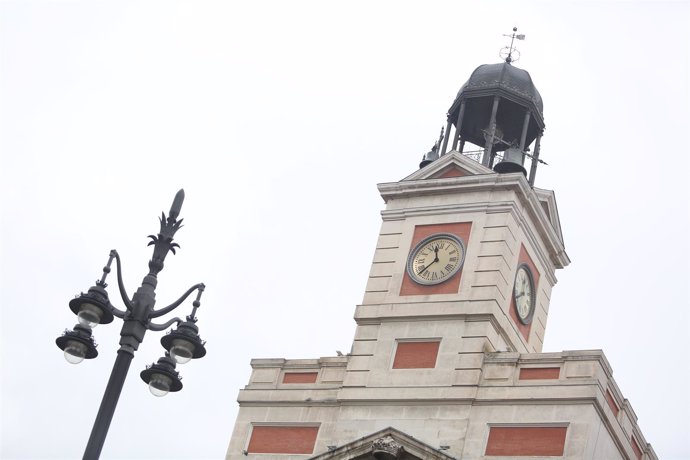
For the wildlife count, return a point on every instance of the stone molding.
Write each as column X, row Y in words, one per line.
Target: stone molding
column 557, row 258
column 282, row 363
column 466, row 184
column 386, row 448
column 372, row 315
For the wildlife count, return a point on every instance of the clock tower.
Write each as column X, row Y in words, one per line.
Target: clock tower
column 447, row 357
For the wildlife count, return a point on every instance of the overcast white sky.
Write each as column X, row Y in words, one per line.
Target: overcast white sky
column 279, row 119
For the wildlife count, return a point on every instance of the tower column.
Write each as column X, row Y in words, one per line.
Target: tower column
column 488, row 147
column 535, row 159
column 458, row 125
column 523, row 137
column 445, row 139
column 525, row 125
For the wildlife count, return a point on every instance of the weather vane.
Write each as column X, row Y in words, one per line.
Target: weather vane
column 509, row 53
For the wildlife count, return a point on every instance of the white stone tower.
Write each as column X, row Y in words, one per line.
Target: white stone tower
column 447, row 357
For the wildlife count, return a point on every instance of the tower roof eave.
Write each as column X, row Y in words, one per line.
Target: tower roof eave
column 503, row 77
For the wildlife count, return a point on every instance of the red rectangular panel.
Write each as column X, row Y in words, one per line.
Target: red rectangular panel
column 416, row 355
column 449, row 171
column 300, row 377
column 526, row 441
column 612, row 403
column 636, row 448
column 524, row 258
column 540, row 373
column 283, row 440
column 450, row 286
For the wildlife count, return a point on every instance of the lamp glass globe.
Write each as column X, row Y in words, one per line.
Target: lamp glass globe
column 89, row 315
column 75, row 352
column 159, row 385
column 182, row 351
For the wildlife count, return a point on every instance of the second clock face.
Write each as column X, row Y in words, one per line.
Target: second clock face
column 523, row 294
column 436, row 258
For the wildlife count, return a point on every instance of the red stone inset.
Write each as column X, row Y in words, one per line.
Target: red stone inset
column 283, row 440
column 300, row 377
column 526, row 441
column 524, row 258
column 451, row 285
column 449, row 171
column 416, row 355
column 612, row 403
column 636, row 448
column 540, row 373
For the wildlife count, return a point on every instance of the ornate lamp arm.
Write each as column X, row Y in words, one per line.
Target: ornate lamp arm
column 116, row 311
column 120, row 284
column 196, row 305
column 161, row 327
column 175, row 304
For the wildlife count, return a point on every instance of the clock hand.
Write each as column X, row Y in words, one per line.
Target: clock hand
column 425, row 268
column 434, row 261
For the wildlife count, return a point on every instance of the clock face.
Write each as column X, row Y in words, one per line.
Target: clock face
column 523, row 294
column 436, row 259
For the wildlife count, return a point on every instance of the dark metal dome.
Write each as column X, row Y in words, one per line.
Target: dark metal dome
column 515, row 82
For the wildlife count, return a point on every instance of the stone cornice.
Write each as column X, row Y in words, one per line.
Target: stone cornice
column 313, row 403
column 395, row 315
column 477, row 183
column 554, row 357
column 326, row 361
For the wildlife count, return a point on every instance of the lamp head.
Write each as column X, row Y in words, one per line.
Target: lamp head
column 92, row 308
column 77, row 344
column 184, row 343
column 162, row 377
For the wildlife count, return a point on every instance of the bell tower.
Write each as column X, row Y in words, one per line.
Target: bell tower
column 466, row 251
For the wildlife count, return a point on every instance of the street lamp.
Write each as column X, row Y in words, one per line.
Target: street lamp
column 93, row 308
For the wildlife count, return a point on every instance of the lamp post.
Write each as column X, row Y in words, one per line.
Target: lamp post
column 92, row 308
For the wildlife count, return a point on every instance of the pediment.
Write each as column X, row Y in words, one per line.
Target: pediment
column 452, row 164
column 388, row 443
column 547, row 199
